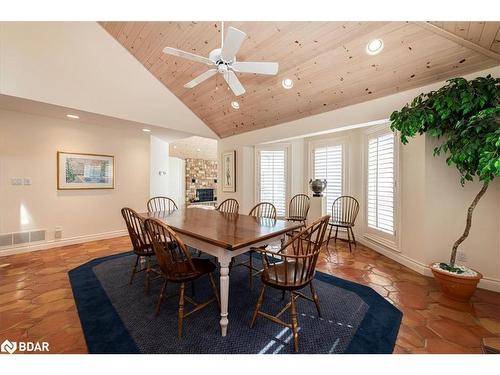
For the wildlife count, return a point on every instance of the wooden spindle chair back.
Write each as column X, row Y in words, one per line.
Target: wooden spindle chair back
column 171, row 252
column 264, row 209
column 139, row 237
column 297, row 258
column 230, row 206
column 299, row 207
column 345, row 210
column 160, row 204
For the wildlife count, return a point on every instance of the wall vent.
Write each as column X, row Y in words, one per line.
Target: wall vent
column 20, row 238
column 6, row 239
column 37, row 235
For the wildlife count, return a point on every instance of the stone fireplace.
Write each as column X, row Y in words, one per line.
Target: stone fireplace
column 200, row 175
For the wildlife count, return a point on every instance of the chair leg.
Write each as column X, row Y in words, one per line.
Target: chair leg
column 328, row 242
column 180, row 315
column 214, row 288
column 295, row 325
column 349, row 240
column 250, row 269
column 258, row 305
column 353, row 238
column 148, row 274
column 160, row 300
column 315, row 297
column 336, row 233
column 133, row 270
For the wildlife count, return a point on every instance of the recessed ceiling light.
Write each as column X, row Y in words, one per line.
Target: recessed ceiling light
column 146, row 130
column 175, row 146
column 198, row 150
column 235, row 104
column 287, row 83
column 72, row 116
column 374, row 47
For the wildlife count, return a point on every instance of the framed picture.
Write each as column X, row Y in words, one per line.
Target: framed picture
column 229, row 171
column 85, row 171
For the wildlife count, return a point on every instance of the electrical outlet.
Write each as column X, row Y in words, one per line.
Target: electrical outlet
column 461, row 256
column 58, row 233
column 27, row 180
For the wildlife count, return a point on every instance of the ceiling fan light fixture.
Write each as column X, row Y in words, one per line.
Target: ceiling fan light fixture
column 235, row 104
column 374, row 47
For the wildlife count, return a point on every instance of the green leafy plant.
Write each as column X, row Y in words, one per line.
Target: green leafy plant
column 465, row 116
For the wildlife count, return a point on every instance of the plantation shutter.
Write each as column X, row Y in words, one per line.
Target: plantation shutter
column 328, row 165
column 272, row 179
column 381, row 183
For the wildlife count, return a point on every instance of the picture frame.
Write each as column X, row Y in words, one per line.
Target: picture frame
column 229, row 171
column 78, row 171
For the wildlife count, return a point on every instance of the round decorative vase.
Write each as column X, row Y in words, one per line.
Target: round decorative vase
column 455, row 286
column 317, row 186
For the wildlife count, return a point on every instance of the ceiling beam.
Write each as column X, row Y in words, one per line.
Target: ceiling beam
column 459, row 40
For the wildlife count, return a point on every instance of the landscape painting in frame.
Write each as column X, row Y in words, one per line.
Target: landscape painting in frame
column 84, row 171
column 229, row 171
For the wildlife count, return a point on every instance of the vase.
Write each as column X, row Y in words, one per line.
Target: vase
column 317, row 186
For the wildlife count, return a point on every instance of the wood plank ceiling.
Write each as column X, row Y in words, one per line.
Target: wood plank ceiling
column 326, row 60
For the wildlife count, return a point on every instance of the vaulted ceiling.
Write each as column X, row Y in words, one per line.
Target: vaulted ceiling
column 326, row 60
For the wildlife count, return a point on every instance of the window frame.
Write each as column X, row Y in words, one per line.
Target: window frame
column 393, row 242
column 332, row 141
column 273, row 147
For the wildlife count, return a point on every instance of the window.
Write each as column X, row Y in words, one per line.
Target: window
column 381, row 183
column 272, row 179
column 328, row 164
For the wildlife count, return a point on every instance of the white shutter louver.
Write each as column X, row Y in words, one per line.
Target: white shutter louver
column 328, row 165
column 380, row 193
column 272, row 187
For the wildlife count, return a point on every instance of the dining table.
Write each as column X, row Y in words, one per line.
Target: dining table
column 224, row 236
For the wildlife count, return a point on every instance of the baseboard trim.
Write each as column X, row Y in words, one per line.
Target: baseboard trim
column 63, row 242
column 488, row 283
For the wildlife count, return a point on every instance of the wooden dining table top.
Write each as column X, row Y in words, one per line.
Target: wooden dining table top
column 229, row 231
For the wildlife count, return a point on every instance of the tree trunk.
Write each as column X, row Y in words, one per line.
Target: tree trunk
column 467, row 225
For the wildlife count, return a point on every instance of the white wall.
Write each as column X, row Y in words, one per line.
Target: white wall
column 433, row 203
column 445, row 214
column 28, row 146
column 159, row 167
column 79, row 65
column 177, row 180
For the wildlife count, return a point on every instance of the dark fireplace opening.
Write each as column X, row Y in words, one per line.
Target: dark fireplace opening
column 204, row 195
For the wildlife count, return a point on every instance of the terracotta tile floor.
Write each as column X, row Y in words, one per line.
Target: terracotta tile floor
column 36, row 302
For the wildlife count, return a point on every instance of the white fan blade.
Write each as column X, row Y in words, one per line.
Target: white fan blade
column 202, row 77
column 270, row 68
column 232, row 43
column 187, row 55
column 234, row 83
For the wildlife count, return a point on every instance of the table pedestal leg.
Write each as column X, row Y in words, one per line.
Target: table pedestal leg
column 224, row 292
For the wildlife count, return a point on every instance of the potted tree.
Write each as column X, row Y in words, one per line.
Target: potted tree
column 465, row 117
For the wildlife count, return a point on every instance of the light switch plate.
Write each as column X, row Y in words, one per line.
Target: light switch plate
column 16, row 180
column 27, row 180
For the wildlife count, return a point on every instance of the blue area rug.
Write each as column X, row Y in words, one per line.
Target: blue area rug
column 119, row 318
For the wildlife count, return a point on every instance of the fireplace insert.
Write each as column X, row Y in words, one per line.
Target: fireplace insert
column 204, row 195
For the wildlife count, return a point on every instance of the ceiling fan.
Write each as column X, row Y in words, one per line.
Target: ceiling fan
column 223, row 61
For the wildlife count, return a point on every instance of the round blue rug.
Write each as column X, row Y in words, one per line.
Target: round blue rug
column 120, row 318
